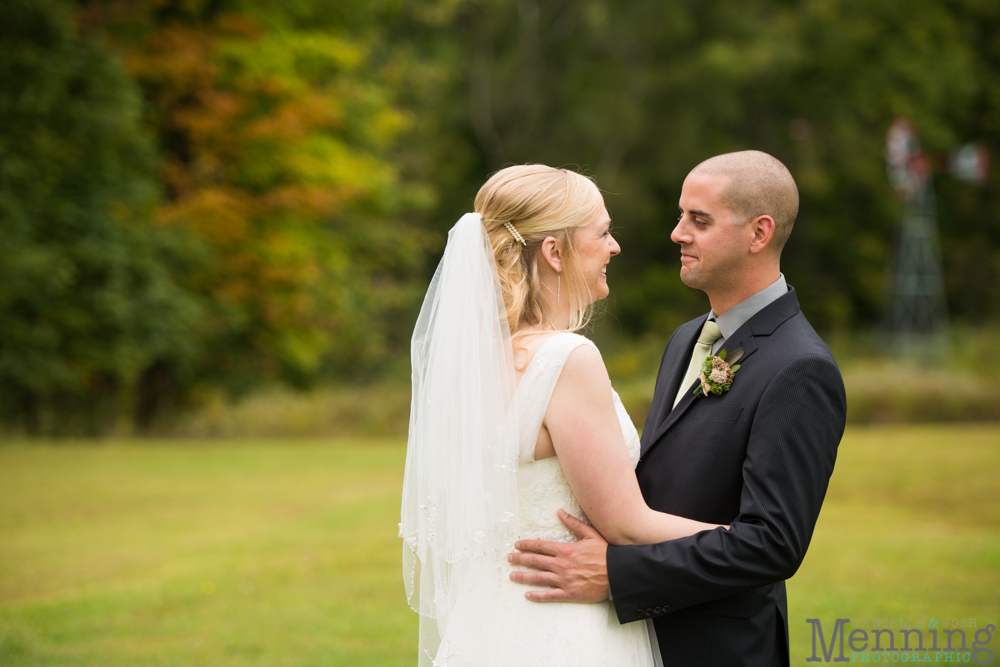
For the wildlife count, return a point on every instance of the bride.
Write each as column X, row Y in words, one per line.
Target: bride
column 513, row 417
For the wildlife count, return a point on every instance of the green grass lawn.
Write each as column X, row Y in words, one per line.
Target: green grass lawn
column 285, row 552
column 910, row 529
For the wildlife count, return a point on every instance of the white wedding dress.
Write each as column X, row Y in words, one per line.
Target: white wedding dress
column 513, row 631
column 471, row 486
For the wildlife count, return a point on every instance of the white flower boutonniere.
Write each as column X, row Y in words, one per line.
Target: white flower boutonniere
column 717, row 374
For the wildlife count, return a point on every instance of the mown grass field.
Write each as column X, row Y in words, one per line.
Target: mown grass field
column 285, row 552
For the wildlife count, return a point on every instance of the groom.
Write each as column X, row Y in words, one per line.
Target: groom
column 758, row 457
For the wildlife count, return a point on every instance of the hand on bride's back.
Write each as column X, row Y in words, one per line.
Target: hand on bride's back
column 575, row 572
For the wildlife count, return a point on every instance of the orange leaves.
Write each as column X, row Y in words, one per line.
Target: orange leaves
column 294, row 118
column 173, row 62
column 209, row 120
column 248, row 110
column 221, row 215
column 310, row 201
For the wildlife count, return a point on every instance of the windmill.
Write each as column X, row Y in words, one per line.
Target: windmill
column 916, row 318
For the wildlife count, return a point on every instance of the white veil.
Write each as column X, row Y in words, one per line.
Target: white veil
column 459, row 509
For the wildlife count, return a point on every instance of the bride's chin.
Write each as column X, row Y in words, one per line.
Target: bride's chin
column 602, row 294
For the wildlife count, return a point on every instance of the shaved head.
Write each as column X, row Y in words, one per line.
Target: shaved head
column 758, row 185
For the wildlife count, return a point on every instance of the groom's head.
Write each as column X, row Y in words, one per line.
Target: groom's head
column 737, row 211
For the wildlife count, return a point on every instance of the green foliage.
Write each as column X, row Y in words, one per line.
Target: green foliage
column 277, row 126
column 88, row 300
column 639, row 93
column 267, row 203
column 282, row 245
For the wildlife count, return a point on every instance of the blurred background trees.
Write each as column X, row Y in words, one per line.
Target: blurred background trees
column 203, row 196
column 91, row 295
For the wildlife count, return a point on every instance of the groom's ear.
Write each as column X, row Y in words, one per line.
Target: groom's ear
column 763, row 232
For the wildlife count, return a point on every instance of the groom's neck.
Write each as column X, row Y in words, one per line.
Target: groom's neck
column 727, row 296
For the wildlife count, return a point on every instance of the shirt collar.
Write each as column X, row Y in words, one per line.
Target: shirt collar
column 738, row 315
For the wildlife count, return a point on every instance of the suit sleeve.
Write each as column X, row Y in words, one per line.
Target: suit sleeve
column 791, row 451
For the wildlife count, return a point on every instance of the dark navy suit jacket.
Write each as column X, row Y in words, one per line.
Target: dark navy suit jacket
column 759, row 457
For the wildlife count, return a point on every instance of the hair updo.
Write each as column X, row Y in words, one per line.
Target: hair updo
column 540, row 202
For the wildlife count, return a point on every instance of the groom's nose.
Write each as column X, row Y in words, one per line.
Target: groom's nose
column 680, row 235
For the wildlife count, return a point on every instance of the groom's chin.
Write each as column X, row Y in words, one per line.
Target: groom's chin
column 689, row 277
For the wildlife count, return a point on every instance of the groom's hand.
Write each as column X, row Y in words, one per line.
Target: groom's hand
column 576, row 572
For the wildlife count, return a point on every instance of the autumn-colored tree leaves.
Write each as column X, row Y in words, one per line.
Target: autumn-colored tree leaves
column 236, row 157
column 198, row 196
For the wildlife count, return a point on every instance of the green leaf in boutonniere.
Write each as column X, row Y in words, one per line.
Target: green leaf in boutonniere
column 716, row 374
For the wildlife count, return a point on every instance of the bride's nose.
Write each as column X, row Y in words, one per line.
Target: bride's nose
column 615, row 248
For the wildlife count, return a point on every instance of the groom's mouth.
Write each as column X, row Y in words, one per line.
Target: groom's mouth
column 687, row 259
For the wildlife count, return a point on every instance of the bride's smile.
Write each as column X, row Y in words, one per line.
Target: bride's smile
column 595, row 247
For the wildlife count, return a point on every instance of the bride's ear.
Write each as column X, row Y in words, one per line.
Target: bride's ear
column 551, row 251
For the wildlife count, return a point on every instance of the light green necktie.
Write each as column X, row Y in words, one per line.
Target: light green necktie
column 703, row 348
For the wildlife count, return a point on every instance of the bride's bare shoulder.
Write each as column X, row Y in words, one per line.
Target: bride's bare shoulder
column 584, row 369
column 582, row 402
column 582, row 381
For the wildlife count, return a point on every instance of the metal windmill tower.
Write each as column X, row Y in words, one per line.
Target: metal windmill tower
column 916, row 319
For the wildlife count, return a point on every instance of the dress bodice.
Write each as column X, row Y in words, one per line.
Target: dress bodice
column 542, row 486
column 493, row 624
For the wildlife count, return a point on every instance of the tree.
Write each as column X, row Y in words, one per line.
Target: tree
column 277, row 126
column 639, row 93
column 88, row 298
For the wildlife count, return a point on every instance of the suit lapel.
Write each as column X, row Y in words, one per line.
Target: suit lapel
column 747, row 342
column 672, row 372
column 762, row 324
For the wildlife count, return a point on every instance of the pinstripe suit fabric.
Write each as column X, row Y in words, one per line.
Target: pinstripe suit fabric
column 758, row 457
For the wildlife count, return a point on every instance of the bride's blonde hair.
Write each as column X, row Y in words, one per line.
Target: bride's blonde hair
column 538, row 201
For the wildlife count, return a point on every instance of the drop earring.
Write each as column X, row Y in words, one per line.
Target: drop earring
column 558, row 285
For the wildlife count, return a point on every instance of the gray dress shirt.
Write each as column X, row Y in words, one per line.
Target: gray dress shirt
column 737, row 316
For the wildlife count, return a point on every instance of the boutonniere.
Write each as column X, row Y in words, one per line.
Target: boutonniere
column 717, row 374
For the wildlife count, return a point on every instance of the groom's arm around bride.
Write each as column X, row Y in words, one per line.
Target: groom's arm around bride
column 757, row 457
